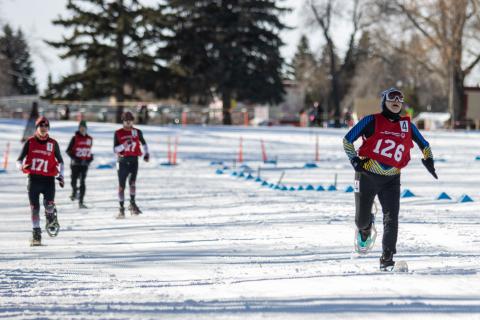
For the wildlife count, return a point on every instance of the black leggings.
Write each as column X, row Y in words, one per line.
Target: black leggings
column 41, row 185
column 127, row 167
column 388, row 190
column 79, row 172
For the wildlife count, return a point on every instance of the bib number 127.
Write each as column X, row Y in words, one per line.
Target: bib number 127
column 385, row 148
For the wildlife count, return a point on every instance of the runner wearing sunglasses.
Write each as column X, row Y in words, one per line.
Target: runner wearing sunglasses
column 385, row 150
column 42, row 161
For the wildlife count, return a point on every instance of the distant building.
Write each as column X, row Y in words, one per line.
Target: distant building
column 288, row 111
column 365, row 106
column 432, row 120
column 472, row 105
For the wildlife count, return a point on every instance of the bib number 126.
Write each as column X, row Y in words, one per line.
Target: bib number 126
column 385, row 148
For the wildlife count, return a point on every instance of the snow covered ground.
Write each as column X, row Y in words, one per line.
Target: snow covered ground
column 213, row 246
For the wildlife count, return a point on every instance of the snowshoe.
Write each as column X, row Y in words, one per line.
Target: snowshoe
column 365, row 239
column 121, row 213
column 386, row 261
column 52, row 226
column 36, row 237
column 134, row 209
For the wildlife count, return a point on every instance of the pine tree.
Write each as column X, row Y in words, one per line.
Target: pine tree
column 303, row 61
column 116, row 40
column 229, row 48
column 16, row 54
column 308, row 73
column 5, row 85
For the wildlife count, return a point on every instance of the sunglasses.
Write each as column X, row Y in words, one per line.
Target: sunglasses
column 44, row 125
column 394, row 96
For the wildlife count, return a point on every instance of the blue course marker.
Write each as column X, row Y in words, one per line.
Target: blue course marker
column 270, row 162
column 407, row 194
column 105, row 166
column 465, row 198
column 443, row 196
column 332, row 188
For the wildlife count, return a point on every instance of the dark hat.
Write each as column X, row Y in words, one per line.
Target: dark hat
column 82, row 123
column 41, row 120
column 127, row 116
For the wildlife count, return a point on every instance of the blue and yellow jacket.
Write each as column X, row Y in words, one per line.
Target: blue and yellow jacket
column 366, row 128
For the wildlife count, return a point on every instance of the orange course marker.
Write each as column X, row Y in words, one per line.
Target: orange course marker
column 240, row 151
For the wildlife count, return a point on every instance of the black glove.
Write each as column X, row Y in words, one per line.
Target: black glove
column 146, row 157
column 428, row 163
column 61, row 182
column 357, row 164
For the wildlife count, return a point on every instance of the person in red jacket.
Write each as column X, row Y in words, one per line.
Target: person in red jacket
column 41, row 160
column 126, row 144
column 80, row 152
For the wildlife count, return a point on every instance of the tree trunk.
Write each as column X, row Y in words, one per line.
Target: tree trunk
column 227, row 102
column 456, row 98
column 118, row 117
column 121, row 62
column 334, row 82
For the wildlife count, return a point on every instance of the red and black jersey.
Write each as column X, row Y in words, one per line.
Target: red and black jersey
column 391, row 142
column 80, row 147
column 41, row 157
column 131, row 140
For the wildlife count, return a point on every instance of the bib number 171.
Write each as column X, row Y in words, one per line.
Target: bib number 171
column 385, row 148
column 39, row 165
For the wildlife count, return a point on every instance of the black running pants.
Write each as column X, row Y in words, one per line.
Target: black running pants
column 387, row 188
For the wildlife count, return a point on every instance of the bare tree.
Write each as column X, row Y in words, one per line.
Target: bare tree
column 447, row 28
column 387, row 66
column 323, row 13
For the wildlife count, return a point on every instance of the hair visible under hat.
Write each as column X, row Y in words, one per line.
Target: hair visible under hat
column 127, row 116
column 41, row 120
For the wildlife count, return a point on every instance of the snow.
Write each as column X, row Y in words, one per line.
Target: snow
column 213, row 246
